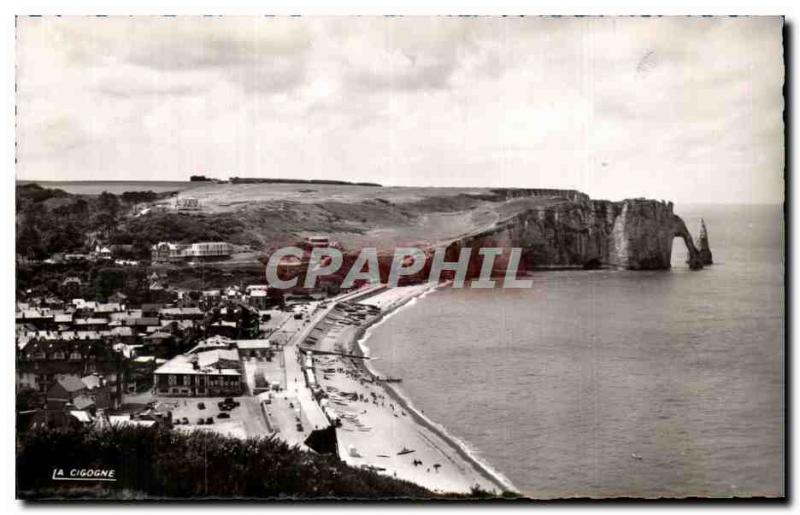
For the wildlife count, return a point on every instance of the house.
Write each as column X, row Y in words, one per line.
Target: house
column 166, row 252
column 181, row 313
column 63, row 319
column 100, row 394
column 317, row 241
column 101, row 252
column 258, row 299
column 66, row 389
column 39, row 318
column 214, row 342
column 186, row 204
column 143, row 323
column 84, row 307
column 139, row 377
column 151, row 310
column 254, row 349
column 122, row 334
column 158, row 343
column 87, row 393
column 208, row 373
column 90, row 324
column 108, row 308
column 45, row 359
column 210, row 295
column 224, row 328
column 57, row 418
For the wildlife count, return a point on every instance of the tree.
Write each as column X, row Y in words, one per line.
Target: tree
column 108, row 202
column 108, row 281
column 105, row 217
column 64, row 239
column 29, row 242
column 28, row 399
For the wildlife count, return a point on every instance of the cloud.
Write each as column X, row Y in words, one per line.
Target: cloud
column 488, row 101
column 258, row 54
column 406, row 54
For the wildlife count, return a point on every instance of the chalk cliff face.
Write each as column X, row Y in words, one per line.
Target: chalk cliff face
column 633, row 234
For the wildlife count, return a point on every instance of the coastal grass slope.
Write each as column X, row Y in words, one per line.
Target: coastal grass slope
column 153, row 463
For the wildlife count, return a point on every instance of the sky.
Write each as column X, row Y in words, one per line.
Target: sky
column 685, row 109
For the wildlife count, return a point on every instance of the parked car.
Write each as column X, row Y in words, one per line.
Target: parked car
column 201, row 421
column 223, row 415
column 228, row 404
column 201, row 405
column 210, row 420
column 184, row 420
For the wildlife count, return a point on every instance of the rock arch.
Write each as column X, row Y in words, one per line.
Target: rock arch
column 694, row 260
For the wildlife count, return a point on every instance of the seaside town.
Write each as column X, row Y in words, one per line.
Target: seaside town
column 400, row 258
column 238, row 359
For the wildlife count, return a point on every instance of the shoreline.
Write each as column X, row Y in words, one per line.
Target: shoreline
column 359, row 347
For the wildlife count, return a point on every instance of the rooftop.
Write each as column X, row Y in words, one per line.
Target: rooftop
column 252, row 344
column 184, row 364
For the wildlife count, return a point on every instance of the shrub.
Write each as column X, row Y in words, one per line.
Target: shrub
column 157, row 462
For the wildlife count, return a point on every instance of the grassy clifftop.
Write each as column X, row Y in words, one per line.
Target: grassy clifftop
column 261, row 216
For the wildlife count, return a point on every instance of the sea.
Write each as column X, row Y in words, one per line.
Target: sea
column 115, row 187
column 614, row 383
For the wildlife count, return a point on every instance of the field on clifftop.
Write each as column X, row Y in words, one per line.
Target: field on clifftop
column 256, row 218
column 276, row 214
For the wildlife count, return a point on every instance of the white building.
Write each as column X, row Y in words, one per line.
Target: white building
column 165, row 252
column 208, row 249
column 318, row 241
column 187, row 204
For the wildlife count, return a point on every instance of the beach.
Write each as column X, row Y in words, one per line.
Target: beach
column 380, row 429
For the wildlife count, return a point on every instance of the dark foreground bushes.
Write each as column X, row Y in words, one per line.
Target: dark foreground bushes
column 162, row 463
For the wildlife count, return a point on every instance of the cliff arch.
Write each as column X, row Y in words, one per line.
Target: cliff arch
column 633, row 234
column 694, row 260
